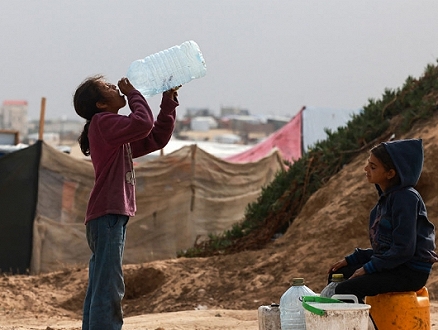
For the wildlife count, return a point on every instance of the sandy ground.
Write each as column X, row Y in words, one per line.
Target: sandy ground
column 224, row 292
column 197, row 319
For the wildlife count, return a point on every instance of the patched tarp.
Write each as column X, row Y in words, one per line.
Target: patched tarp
column 181, row 197
column 287, row 140
column 305, row 129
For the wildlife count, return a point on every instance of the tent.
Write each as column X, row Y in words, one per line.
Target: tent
column 18, row 200
column 305, row 129
column 181, row 197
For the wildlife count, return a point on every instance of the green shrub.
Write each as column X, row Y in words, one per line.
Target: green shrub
column 281, row 201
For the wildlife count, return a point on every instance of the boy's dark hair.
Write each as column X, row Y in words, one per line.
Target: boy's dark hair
column 85, row 98
column 379, row 151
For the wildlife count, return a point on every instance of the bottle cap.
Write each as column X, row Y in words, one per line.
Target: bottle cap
column 337, row 277
column 298, row 281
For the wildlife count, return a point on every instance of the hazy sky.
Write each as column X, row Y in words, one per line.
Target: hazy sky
column 267, row 56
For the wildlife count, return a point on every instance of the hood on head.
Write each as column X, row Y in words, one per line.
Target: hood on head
column 407, row 156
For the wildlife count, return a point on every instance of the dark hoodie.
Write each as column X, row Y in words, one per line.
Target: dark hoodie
column 400, row 232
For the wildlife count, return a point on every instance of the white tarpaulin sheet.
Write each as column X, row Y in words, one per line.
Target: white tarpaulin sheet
column 315, row 120
column 180, row 197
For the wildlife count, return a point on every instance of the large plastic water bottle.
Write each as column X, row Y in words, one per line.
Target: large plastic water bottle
column 167, row 69
column 329, row 290
column 291, row 306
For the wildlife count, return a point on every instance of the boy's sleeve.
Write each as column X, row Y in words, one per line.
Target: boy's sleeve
column 359, row 256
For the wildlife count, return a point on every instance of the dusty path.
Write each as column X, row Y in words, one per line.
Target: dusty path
column 196, row 319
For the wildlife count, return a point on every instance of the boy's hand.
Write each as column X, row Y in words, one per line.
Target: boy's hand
column 339, row 264
column 358, row 272
column 125, row 86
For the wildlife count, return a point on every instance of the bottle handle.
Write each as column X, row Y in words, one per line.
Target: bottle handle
column 345, row 297
column 318, row 299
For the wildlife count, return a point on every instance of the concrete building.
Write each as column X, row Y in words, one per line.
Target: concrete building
column 13, row 116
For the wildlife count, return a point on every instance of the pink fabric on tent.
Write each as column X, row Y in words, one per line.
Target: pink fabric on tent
column 287, row 140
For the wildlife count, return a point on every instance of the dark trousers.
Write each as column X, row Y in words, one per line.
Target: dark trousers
column 399, row 279
column 103, row 301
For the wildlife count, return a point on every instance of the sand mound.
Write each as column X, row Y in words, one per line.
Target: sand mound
column 332, row 223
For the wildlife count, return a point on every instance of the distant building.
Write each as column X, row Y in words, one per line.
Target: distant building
column 230, row 111
column 198, row 112
column 9, row 137
column 68, row 130
column 52, row 139
column 203, row 123
column 13, row 116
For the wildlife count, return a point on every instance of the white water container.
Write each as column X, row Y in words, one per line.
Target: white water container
column 167, row 69
column 269, row 317
column 331, row 314
column 291, row 306
column 329, row 290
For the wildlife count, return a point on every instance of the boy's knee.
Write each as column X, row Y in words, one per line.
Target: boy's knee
column 340, row 289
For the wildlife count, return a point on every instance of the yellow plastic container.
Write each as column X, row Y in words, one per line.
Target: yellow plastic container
column 401, row 310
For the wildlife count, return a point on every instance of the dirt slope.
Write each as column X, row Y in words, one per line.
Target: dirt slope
column 331, row 225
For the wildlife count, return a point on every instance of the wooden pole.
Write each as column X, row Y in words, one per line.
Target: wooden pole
column 42, row 115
